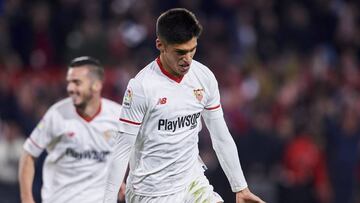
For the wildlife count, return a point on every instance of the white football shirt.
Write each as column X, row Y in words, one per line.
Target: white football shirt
column 164, row 112
column 76, row 167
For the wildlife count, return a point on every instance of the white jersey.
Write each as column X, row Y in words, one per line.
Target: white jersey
column 76, row 167
column 164, row 112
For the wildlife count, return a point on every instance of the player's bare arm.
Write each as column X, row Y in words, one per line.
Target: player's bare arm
column 26, row 177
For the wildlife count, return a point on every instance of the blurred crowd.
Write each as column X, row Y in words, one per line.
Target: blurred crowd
column 288, row 72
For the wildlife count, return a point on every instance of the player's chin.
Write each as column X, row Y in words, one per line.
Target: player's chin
column 76, row 101
column 183, row 71
column 79, row 105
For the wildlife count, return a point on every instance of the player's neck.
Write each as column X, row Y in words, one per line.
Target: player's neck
column 167, row 68
column 91, row 109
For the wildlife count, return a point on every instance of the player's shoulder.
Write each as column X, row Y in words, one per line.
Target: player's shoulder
column 147, row 73
column 110, row 107
column 202, row 70
column 146, row 78
column 110, row 103
column 62, row 107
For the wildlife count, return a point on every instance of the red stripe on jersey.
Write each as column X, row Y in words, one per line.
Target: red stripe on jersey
column 165, row 72
column 34, row 143
column 131, row 122
column 212, row 108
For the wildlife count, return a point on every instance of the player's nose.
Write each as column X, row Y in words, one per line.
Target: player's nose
column 188, row 57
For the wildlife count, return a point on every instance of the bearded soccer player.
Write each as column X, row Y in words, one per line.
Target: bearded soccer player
column 162, row 108
column 76, row 132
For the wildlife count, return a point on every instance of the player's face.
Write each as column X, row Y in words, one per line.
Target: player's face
column 79, row 85
column 176, row 58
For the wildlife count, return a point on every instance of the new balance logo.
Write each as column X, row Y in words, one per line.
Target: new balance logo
column 70, row 134
column 162, row 101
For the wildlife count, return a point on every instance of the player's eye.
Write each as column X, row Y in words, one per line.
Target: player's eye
column 75, row 82
column 180, row 53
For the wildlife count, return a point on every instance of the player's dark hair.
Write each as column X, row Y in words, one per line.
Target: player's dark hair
column 96, row 68
column 177, row 26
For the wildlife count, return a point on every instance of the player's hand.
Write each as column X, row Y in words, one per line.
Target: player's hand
column 29, row 200
column 245, row 196
column 121, row 195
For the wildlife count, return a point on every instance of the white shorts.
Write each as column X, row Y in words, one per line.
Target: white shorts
column 199, row 190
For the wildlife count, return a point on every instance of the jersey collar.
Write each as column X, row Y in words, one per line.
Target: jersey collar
column 165, row 72
column 89, row 118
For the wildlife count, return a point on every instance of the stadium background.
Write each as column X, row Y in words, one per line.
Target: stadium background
column 288, row 73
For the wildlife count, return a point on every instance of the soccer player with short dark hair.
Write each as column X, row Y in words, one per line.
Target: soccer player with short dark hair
column 162, row 110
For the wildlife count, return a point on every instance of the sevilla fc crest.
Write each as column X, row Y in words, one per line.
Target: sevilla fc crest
column 199, row 94
column 108, row 134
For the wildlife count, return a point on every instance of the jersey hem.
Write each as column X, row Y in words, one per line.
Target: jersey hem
column 128, row 121
column 212, row 108
column 157, row 194
column 35, row 144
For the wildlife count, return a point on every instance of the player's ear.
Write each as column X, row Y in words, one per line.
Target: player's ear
column 97, row 86
column 160, row 45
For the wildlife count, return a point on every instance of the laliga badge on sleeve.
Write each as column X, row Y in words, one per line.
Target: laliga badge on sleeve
column 41, row 124
column 127, row 99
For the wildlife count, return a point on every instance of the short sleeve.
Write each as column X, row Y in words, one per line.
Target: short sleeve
column 42, row 135
column 134, row 108
column 213, row 107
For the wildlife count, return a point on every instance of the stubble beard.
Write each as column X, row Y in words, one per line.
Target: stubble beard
column 85, row 101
